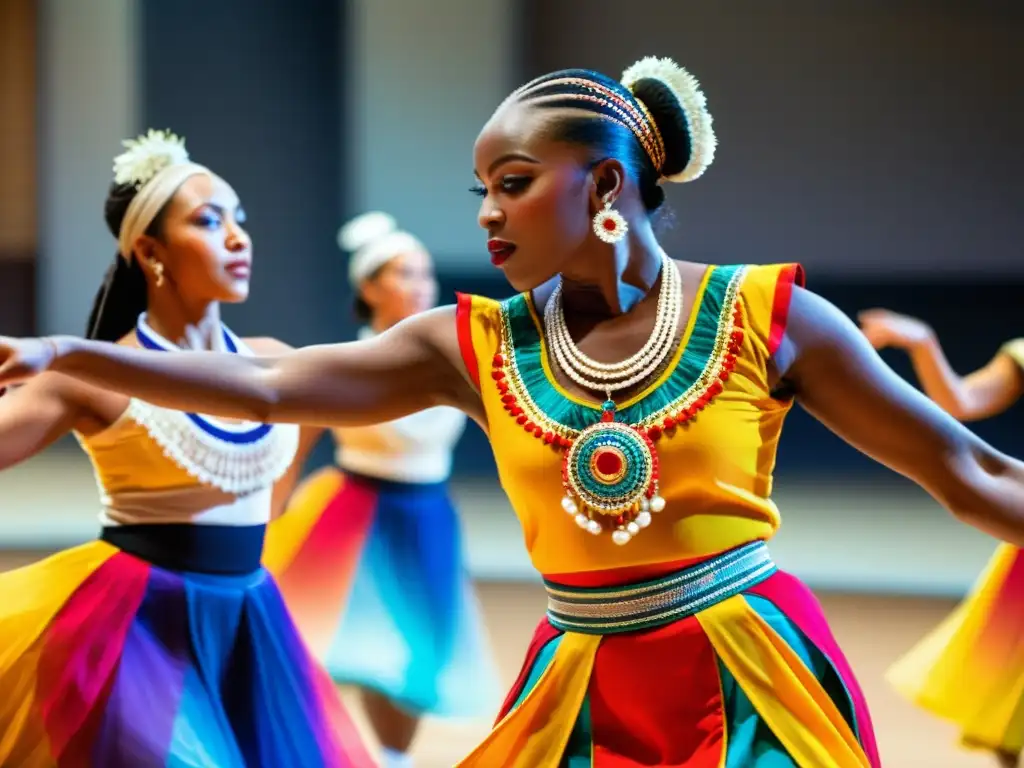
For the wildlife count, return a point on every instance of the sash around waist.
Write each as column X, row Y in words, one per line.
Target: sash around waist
column 632, row 607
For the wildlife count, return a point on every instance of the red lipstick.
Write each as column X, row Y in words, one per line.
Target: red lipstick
column 501, row 250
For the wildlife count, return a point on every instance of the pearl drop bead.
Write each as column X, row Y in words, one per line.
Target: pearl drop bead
column 569, row 505
column 633, row 529
column 621, row 537
column 657, row 504
column 643, row 519
column 582, row 520
column 594, row 527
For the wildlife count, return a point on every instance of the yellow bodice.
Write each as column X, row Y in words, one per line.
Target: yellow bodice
column 711, row 416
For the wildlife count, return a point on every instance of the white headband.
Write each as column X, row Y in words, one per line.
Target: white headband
column 373, row 239
column 153, row 196
column 376, row 254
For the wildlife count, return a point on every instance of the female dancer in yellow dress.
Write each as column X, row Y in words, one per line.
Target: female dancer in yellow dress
column 970, row 669
column 369, row 554
column 163, row 643
column 634, row 404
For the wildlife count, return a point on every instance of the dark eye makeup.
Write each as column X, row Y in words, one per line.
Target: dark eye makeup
column 508, row 184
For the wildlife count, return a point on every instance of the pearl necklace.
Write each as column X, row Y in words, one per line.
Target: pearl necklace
column 610, row 377
column 610, row 471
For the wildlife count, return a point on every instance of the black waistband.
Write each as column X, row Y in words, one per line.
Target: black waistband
column 220, row 549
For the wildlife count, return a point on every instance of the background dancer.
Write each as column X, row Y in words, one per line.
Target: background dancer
column 969, row 669
column 163, row 642
column 369, row 556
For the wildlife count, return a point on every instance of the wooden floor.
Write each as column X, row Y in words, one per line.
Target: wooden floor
column 872, row 630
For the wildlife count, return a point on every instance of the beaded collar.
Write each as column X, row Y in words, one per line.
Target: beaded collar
column 610, row 462
column 236, row 457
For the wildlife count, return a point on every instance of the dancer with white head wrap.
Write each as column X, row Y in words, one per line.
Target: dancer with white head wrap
column 369, row 553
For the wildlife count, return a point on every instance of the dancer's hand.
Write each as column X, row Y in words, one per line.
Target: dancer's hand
column 890, row 329
column 21, row 359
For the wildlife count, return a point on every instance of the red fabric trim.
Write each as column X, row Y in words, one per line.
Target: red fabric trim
column 543, row 635
column 798, row 603
column 790, row 274
column 464, row 329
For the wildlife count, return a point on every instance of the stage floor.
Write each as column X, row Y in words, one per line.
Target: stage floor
column 872, row 630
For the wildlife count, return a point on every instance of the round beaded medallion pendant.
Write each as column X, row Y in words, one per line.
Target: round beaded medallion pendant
column 610, row 473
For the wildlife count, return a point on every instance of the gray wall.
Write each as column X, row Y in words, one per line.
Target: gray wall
column 873, row 138
column 87, row 104
column 256, row 89
column 425, row 77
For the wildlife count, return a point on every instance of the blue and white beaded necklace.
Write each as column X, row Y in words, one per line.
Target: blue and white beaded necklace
column 238, row 457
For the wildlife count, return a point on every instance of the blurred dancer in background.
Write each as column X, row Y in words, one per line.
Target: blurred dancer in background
column 369, row 555
column 163, row 642
column 970, row 669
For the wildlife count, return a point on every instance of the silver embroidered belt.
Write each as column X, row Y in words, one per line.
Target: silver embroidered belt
column 632, row 607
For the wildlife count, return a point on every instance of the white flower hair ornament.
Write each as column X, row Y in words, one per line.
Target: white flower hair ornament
column 698, row 120
column 147, row 155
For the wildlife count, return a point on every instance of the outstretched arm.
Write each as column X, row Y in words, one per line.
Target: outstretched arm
column 986, row 392
column 309, row 436
column 413, row 366
column 843, row 383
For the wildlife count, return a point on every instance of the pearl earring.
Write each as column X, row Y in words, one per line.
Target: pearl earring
column 609, row 224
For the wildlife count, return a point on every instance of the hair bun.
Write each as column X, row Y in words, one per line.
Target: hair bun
column 679, row 110
column 365, row 229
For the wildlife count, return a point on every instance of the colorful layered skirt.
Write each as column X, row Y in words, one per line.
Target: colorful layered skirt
column 726, row 664
column 108, row 661
column 374, row 574
column 970, row 669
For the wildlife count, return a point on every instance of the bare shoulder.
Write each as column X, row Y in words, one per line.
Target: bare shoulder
column 436, row 326
column 433, row 337
column 813, row 317
column 816, row 328
column 433, row 333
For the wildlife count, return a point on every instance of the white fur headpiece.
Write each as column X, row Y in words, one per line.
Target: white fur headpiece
column 691, row 98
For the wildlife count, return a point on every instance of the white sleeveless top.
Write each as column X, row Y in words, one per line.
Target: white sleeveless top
column 414, row 449
column 155, row 465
